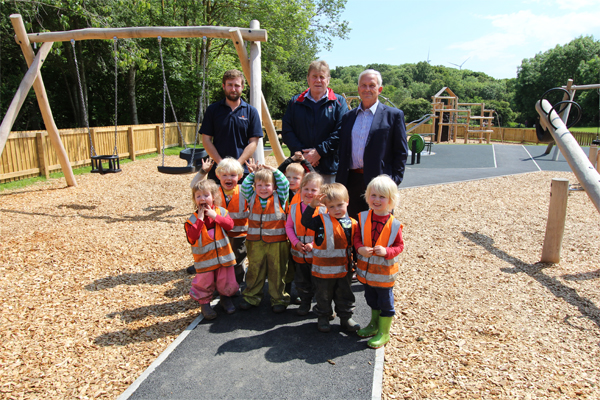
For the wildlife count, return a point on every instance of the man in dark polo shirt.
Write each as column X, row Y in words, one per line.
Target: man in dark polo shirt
column 231, row 127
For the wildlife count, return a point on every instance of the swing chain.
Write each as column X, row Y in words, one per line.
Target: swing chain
column 166, row 89
column 202, row 94
column 115, row 151
column 85, row 116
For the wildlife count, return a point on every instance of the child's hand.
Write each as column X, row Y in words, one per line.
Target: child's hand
column 301, row 247
column 308, row 247
column 251, row 164
column 365, row 251
column 210, row 213
column 265, row 166
column 379, row 251
column 298, row 156
column 317, row 200
column 200, row 212
column 207, row 165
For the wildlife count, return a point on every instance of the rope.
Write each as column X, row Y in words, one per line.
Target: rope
column 115, row 151
column 85, row 117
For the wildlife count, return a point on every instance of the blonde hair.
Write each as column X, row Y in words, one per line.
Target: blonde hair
column 335, row 191
column 229, row 164
column 312, row 177
column 264, row 175
column 207, row 185
column 385, row 186
column 294, row 168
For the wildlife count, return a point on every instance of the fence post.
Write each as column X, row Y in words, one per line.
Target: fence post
column 131, row 143
column 555, row 226
column 157, row 139
column 593, row 154
column 42, row 156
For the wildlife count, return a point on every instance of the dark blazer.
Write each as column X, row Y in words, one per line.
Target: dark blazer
column 386, row 149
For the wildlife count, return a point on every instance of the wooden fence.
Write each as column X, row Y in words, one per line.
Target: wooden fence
column 519, row 135
column 30, row 153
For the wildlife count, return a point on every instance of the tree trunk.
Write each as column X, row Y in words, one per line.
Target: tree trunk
column 131, row 95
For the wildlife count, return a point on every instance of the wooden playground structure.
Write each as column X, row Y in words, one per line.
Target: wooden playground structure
column 250, row 66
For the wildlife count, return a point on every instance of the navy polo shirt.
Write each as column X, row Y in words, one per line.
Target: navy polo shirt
column 231, row 130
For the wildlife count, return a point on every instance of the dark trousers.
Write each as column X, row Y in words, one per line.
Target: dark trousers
column 337, row 290
column 304, row 281
column 238, row 245
column 356, row 189
column 382, row 299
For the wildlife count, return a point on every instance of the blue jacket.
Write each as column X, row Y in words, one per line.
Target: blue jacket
column 305, row 129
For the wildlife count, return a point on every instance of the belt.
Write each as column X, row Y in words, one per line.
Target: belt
column 357, row 171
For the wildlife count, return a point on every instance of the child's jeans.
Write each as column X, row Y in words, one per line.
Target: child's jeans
column 204, row 284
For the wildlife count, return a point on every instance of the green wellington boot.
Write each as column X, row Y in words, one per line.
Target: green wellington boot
column 383, row 335
column 373, row 327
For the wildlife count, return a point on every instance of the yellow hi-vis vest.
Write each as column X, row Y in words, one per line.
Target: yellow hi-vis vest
column 303, row 234
column 267, row 224
column 375, row 270
column 238, row 211
column 210, row 254
column 330, row 259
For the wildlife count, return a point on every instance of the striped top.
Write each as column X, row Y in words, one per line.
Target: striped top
column 281, row 183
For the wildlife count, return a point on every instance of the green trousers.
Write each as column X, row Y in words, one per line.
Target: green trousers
column 266, row 261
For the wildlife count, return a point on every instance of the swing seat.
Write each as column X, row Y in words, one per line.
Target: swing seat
column 199, row 154
column 189, row 169
column 113, row 164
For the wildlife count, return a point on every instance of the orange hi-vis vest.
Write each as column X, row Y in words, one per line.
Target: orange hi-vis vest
column 330, row 259
column 375, row 270
column 210, row 254
column 304, row 235
column 266, row 224
column 296, row 199
column 238, row 211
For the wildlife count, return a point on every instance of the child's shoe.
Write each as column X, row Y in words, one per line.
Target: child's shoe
column 191, row 270
column 278, row 308
column 207, row 311
column 349, row 324
column 323, row 324
column 303, row 309
column 373, row 327
column 383, row 335
column 244, row 305
column 227, row 304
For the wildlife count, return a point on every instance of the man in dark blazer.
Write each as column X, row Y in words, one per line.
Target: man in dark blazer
column 372, row 142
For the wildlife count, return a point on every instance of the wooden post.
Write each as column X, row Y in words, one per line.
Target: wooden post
column 555, row 226
column 598, row 162
column 236, row 37
column 593, row 154
column 131, row 143
column 42, row 98
column 42, row 155
column 255, row 88
column 157, row 139
column 17, row 102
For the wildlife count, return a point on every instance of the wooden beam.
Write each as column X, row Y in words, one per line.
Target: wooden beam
column 42, row 98
column 256, row 35
column 21, row 95
column 238, row 42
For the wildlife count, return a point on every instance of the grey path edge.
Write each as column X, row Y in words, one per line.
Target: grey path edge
column 162, row 357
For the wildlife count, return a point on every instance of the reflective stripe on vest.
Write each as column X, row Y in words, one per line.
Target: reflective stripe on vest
column 267, row 224
column 238, row 211
column 210, row 254
column 376, row 270
column 302, row 233
column 330, row 259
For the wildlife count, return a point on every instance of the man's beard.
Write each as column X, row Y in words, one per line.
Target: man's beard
column 232, row 96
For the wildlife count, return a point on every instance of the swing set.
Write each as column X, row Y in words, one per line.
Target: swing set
column 250, row 67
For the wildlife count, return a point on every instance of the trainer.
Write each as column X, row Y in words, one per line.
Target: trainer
column 231, row 127
column 372, row 142
column 312, row 122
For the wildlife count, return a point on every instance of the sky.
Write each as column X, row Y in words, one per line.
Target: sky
column 485, row 36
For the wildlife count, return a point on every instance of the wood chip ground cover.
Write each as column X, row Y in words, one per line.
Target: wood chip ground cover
column 92, row 288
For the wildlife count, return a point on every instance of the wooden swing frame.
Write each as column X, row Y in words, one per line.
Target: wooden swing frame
column 33, row 77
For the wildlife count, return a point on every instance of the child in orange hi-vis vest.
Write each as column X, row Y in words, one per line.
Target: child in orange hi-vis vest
column 206, row 231
column 302, row 239
column 333, row 238
column 266, row 190
column 378, row 246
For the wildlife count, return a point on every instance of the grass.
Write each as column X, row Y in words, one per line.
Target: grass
column 589, row 129
column 22, row 183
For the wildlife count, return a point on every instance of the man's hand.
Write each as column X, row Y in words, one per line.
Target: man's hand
column 312, row 156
